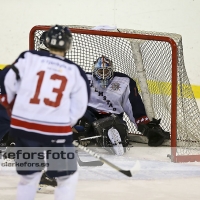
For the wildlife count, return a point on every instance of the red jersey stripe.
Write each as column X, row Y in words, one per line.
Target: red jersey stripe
column 40, row 127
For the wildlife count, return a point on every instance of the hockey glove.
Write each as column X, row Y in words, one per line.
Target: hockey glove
column 155, row 134
column 79, row 134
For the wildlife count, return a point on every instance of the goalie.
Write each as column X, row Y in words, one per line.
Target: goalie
column 112, row 95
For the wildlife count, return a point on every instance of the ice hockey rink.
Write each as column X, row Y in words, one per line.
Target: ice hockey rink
column 158, row 178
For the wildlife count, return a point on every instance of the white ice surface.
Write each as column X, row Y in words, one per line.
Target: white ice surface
column 158, row 179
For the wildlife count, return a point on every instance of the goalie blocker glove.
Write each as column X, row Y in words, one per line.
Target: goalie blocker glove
column 153, row 131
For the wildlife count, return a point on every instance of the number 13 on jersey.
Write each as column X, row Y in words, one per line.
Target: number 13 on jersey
column 59, row 91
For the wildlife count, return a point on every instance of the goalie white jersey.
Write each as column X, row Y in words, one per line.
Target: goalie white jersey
column 120, row 96
column 51, row 94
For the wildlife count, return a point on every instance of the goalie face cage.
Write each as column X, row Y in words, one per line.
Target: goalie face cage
column 155, row 61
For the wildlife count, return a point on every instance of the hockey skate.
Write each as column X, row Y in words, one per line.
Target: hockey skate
column 2, row 147
column 47, row 181
column 8, row 150
column 3, row 144
column 115, row 139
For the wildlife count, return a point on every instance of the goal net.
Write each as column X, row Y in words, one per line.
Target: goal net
column 155, row 61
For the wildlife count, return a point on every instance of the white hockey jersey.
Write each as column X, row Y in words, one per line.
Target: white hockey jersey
column 51, row 95
column 120, row 96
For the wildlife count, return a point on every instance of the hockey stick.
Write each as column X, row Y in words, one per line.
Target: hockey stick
column 91, row 138
column 128, row 173
column 95, row 163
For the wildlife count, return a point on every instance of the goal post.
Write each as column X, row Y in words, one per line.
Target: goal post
column 142, row 80
column 155, row 61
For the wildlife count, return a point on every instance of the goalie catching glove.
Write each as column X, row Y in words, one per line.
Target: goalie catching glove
column 155, row 134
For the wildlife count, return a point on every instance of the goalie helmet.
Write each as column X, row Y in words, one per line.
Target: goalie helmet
column 43, row 46
column 103, row 71
column 59, row 38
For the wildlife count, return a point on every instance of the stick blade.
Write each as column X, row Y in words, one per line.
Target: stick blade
column 90, row 163
column 126, row 172
column 94, row 163
column 134, row 170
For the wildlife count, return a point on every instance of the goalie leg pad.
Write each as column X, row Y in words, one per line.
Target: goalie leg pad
column 103, row 125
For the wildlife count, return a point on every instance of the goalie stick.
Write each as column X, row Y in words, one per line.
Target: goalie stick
column 91, row 138
column 128, row 173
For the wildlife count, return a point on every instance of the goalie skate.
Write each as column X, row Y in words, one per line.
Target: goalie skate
column 115, row 139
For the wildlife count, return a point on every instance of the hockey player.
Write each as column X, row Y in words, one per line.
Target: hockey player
column 4, row 126
column 112, row 95
column 5, row 140
column 4, row 118
column 50, row 93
